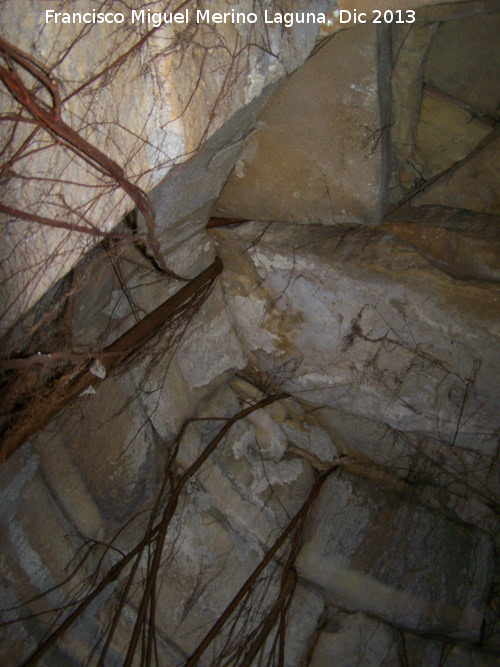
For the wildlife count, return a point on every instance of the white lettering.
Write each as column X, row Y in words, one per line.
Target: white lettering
column 202, row 16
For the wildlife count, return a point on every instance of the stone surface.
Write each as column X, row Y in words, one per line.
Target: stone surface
column 371, row 552
column 354, row 640
column 387, row 340
column 474, row 185
column 152, row 113
column 446, row 133
column 311, row 306
column 303, row 617
column 464, row 244
column 411, row 44
column 324, row 123
column 39, row 544
column 108, row 438
column 369, row 7
column 181, row 369
column 461, row 485
column 257, row 479
column 464, row 61
column 421, row 651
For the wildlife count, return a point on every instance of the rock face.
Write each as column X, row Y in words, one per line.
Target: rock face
column 469, row 42
column 383, row 556
column 332, row 103
column 447, row 151
column 161, row 116
column 335, row 315
column 300, row 466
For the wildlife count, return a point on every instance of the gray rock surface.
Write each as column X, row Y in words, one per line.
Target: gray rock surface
column 359, row 320
column 368, row 551
column 354, row 640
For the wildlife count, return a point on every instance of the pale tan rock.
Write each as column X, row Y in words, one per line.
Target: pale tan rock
column 446, row 133
column 371, row 8
column 473, row 185
column 464, row 61
column 465, row 244
column 319, row 155
column 411, row 44
column 302, row 620
column 456, row 10
column 357, row 640
column 147, row 115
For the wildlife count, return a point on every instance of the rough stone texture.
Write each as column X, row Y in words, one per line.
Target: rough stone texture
column 259, row 477
column 207, row 564
column 447, row 132
column 161, row 114
column 369, row 7
column 387, row 338
column 39, row 542
column 397, row 577
column 180, row 371
column 464, row 244
column 410, row 47
column 108, row 438
column 464, row 61
column 459, row 484
column 350, row 640
column 311, row 307
column 445, row 95
column 324, row 124
column 474, row 185
column 456, row 10
column 303, row 617
column 430, row 653
column 356, row 640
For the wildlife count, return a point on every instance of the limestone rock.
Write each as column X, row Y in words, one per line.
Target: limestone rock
column 160, row 104
column 188, row 364
column 410, row 47
column 356, row 640
column 458, row 483
column 302, row 620
column 464, row 61
column 473, row 185
column 447, row 132
column 463, row 243
column 358, row 320
column 422, row 651
column 371, row 552
column 324, row 124
column 106, row 435
column 252, row 479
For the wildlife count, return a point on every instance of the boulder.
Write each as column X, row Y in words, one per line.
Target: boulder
column 463, row 243
column 447, row 132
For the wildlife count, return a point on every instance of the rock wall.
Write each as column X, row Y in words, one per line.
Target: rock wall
column 361, row 292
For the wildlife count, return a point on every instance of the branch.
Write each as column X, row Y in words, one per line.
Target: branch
column 69, row 386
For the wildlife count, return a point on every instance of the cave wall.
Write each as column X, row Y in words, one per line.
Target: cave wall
column 364, row 284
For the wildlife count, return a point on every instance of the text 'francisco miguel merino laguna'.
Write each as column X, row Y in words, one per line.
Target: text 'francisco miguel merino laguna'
column 288, row 19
